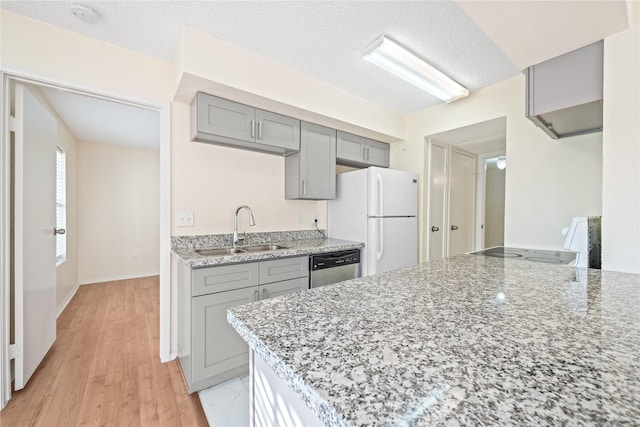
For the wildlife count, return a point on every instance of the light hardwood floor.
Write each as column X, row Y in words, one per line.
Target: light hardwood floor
column 104, row 368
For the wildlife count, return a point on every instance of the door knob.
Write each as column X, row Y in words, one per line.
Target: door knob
column 434, row 229
column 454, row 227
column 59, row 231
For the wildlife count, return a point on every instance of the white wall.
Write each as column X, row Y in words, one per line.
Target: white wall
column 118, row 202
column 494, row 206
column 232, row 72
column 67, row 57
column 212, row 181
column 621, row 145
column 547, row 181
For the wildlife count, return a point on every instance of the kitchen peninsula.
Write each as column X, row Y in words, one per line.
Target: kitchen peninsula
column 468, row 340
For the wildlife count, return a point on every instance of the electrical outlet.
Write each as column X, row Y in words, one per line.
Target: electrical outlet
column 315, row 218
column 185, row 219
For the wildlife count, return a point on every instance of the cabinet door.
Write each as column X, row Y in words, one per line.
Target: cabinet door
column 283, row 288
column 350, row 148
column 283, row 269
column 217, row 347
column 217, row 116
column 223, row 278
column 317, row 162
column 377, row 153
column 277, row 131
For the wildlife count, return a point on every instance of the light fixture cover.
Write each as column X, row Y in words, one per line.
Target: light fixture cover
column 501, row 163
column 390, row 56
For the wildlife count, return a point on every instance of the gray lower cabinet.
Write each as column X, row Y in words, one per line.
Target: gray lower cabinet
column 220, row 121
column 209, row 350
column 311, row 172
column 354, row 150
column 218, row 351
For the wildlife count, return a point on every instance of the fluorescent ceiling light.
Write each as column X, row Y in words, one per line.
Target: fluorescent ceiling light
column 392, row 57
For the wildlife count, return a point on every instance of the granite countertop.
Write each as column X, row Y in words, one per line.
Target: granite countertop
column 294, row 246
column 470, row 340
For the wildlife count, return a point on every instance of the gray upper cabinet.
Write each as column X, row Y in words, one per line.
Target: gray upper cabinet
column 377, row 153
column 354, row 150
column 276, row 130
column 220, row 121
column 311, row 172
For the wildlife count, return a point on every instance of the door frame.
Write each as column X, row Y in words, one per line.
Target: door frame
column 164, row 110
column 481, row 187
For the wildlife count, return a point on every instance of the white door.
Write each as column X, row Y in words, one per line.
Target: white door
column 461, row 202
column 35, row 243
column 392, row 244
column 392, row 192
column 436, row 227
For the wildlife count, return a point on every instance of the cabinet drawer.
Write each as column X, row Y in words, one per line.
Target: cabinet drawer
column 224, row 278
column 283, row 269
column 285, row 287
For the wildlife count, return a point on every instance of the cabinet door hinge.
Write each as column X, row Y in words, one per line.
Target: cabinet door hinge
column 12, row 123
column 14, row 351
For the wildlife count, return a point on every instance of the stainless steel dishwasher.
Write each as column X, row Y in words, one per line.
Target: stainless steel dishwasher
column 333, row 267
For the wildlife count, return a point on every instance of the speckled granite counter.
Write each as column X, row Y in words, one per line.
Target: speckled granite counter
column 296, row 243
column 471, row 340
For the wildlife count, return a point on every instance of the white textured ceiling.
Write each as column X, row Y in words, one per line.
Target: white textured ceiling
column 530, row 32
column 480, row 138
column 476, row 43
column 321, row 38
column 105, row 122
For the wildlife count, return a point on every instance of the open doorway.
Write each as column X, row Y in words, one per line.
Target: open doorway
column 492, row 226
column 457, row 190
column 75, row 110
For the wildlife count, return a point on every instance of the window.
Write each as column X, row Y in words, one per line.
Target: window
column 61, row 205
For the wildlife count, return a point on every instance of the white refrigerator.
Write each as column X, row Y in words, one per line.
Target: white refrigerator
column 378, row 207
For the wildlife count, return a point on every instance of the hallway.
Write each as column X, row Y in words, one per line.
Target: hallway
column 104, row 368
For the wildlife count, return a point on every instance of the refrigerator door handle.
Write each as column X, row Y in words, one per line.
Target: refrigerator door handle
column 380, row 239
column 380, row 195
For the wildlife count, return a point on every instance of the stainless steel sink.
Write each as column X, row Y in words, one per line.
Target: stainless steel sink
column 222, row 251
column 263, row 248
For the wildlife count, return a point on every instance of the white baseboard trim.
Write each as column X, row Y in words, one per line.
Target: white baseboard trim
column 67, row 300
column 114, row 278
column 172, row 356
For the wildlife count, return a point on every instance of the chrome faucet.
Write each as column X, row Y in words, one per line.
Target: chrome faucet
column 252, row 222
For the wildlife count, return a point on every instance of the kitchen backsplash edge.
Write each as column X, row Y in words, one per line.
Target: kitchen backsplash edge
column 212, row 241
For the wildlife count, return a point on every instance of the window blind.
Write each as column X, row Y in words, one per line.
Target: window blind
column 61, row 205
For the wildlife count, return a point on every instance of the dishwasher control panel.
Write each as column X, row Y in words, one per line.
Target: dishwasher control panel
column 334, row 259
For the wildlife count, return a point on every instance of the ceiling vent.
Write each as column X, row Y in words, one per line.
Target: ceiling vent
column 564, row 94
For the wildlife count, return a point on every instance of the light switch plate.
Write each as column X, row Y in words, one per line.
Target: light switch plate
column 185, row 219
